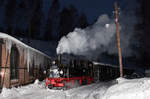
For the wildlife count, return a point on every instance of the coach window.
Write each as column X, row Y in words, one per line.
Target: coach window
column 14, row 62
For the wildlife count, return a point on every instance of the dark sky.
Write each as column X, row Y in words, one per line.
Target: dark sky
column 93, row 8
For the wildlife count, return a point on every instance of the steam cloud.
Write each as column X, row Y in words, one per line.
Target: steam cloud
column 101, row 37
column 83, row 42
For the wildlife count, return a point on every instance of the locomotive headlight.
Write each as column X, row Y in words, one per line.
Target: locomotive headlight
column 61, row 72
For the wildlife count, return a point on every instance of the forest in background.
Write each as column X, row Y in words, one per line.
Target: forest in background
column 26, row 18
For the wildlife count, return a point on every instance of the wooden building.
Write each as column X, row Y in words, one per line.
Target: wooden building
column 19, row 63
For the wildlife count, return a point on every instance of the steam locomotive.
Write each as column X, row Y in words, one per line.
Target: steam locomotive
column 69, row 71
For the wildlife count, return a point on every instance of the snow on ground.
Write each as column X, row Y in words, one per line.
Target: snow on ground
column 129, row 89
column 119, row 89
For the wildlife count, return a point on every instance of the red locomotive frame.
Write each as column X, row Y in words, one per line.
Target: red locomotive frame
column 61, row 82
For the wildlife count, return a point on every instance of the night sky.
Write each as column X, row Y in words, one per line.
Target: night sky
column 92, row 8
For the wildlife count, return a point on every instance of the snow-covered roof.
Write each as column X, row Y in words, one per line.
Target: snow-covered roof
column 98, row 63
column 111, row 65
column 13, row 40
column 31, row 55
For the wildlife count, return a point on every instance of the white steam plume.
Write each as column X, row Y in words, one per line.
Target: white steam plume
column 86, row 41
column 101, row 37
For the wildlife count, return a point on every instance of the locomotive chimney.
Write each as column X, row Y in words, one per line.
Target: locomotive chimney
column 59, row 59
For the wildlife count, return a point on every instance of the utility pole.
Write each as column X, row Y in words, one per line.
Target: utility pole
column 118, row 38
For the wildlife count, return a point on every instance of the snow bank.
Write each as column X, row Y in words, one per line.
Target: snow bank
column 9, row 92
column 129, row 89
column 124, row 89
column 36, row 81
